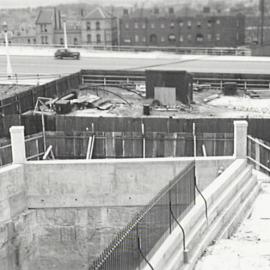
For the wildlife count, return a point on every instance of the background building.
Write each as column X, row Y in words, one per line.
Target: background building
column 99, row 27
column 165, row 28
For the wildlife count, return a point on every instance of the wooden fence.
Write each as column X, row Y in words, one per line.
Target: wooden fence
column 25, row 101
column 34, row 149
column 138, row 145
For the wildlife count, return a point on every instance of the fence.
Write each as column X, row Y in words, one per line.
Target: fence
column 26, row 100
column 213, row 81
column 259, row 154
column 34, row 149
column 138, row 145
column 130, row 247
column 178, row 50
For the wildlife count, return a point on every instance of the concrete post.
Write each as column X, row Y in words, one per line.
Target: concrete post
column 17, row 144
column 240, row 139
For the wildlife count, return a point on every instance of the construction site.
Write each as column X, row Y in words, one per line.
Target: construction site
column 107, row 169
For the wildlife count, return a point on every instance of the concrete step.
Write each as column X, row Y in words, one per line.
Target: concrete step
column 232, row 213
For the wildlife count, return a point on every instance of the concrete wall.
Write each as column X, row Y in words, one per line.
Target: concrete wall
column 18, row 245
column 73, row 209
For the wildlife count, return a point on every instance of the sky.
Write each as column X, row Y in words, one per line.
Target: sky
column 35, row 3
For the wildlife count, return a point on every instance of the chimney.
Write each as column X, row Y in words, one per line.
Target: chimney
column 171, row 10
column 59, row 19
column 82, row 12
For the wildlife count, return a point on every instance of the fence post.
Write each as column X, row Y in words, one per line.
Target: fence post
column 17, row 144
column 240, row 139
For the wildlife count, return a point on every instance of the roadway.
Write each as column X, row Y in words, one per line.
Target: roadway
column 212, row 64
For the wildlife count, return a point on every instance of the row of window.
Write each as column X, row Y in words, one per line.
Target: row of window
column 98, row 38
column 172, row 38
column 43, row 28
column 153, row 25
column 97, row 26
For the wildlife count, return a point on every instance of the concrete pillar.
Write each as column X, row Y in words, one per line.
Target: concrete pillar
column 17, row 144
column 240, row 139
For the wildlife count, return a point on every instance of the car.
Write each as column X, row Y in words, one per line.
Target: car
column 65, row 53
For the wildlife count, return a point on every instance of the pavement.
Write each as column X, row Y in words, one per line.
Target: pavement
column 249, row 247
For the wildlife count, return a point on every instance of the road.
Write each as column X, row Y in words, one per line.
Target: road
column 48, row 65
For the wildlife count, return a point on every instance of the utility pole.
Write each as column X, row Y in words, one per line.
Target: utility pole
column 64, row 18
column 262, row 9
column 9, row 68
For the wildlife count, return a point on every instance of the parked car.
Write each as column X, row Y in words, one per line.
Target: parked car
column 65, row 53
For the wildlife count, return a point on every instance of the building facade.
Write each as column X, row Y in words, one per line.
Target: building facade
column 99, row 28
column 168, row 29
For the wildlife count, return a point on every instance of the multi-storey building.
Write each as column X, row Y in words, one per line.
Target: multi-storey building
column 168, row 29
column 49, row 29
column 99, row 28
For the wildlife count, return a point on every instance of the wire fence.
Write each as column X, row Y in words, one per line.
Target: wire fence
column 129, row 249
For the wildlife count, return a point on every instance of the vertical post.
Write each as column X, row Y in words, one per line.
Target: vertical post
column 143, row 141
column 17, row 144
column 194, row 140
column 257, row 154
column 43, row 132
column 65, row 31
column 240, row 139
column 9, row 68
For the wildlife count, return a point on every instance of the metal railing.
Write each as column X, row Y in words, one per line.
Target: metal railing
column 213, row 82
column 28, row 78
column 129, row 249
column 258, row 153
column 123, row 48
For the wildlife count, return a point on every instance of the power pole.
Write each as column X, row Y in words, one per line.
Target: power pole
column 262, row 9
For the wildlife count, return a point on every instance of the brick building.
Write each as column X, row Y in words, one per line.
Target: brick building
column 99, row 27
column 49, row 29
column 156, row 28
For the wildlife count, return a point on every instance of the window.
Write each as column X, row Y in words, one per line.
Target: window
column 137, row 38
column 153, row 39
column 127, row 40
column 89, row 39
column 28, row 41
column 181, row 38
column 144, row 39
column 237, row 36
column 218, row 21
column 126, row 25
column 162, row 39
column 162, row 25
column 217, row 36
column 143, row 26
column 209, row 37
column 136, row 25
column 189, row 37
column 172, row 24
column 199, row 24
column 88, row 26
column 98, row 38
column 61, row 41
column 171, row 38
column 34, row 41
column 189, row 23
column 97, row 25
column 199, row 37
column 75, row 41
column 152, row 25
column 181, row 24
column 209, row 23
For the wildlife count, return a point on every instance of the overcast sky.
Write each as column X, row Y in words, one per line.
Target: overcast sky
column 35, row 3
